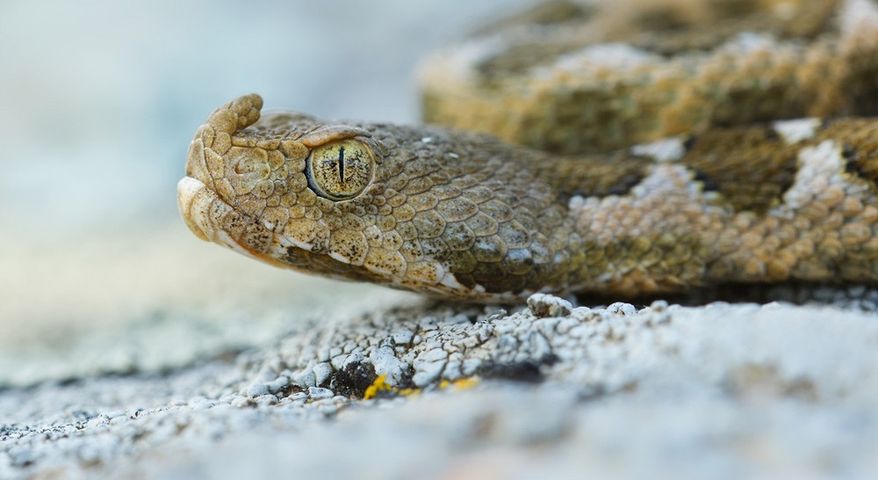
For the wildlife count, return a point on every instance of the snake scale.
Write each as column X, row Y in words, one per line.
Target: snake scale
column 620, row 148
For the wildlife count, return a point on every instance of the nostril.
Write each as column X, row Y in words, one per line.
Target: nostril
column 248, row 161
column 246, row 166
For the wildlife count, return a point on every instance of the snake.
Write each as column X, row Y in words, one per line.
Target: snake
column 623, row 148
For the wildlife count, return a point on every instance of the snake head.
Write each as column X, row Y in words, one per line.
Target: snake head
column 284, row 188
column 295, row 192
column 408, row 207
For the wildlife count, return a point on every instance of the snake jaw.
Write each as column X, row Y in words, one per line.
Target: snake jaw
column 205, row 213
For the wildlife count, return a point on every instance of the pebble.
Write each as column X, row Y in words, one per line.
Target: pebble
column 353, row 358
column 622, row 308
column 278, row 384
column 298, row 397
column 386, row 363
column 257, row 389
column 427, row 373
column 305, row 378
column 322, row 371
column 317, row 393
column 337, row 361
column 471, row 366
column 403, row 336
column 544, row 305
column 434, row 355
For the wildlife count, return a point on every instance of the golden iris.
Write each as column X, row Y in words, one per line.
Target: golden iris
column 340, row 170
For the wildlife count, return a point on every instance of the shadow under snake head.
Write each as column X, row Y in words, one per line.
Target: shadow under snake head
column 424, row 209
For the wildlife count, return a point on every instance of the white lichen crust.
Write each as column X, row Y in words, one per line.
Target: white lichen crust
column 549, row 379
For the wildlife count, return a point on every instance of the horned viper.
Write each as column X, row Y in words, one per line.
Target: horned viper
column 620, row 147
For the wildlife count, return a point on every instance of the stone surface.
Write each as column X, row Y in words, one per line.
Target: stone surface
column 545, row 390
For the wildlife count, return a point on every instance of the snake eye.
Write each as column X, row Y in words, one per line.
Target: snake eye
column 340, row 170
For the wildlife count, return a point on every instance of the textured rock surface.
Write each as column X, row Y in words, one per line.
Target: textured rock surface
column 547, row 389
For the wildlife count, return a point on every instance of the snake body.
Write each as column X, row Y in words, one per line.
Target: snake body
column 705, row 195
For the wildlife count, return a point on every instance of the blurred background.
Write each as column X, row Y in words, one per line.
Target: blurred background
column 98, row 102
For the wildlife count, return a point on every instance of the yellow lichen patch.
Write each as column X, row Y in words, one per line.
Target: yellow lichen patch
column 460, row 384
column 380, row 386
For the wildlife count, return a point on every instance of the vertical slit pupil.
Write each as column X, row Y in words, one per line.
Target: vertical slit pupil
column 341, row 164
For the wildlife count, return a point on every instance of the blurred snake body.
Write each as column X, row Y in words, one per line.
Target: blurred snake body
column 622, row 148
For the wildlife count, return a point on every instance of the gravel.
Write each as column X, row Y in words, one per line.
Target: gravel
column 550, row 390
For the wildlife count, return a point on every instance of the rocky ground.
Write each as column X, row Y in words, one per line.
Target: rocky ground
column 228, row 369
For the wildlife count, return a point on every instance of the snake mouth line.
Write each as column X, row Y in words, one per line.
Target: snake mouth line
column 196, row 202
column 198, row 206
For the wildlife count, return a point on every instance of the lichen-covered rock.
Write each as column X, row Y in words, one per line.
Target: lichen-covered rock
column 783, row 377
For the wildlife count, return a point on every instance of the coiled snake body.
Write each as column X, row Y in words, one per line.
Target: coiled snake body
column 716, row 188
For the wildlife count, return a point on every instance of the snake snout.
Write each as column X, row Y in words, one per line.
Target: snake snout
column 193, row 200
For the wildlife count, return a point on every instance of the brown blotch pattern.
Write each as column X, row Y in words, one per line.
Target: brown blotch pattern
column 672, row 27
column 751, row 168
column 594, row 175
column 539, row 89
column 859, row 142
column 551, row 12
